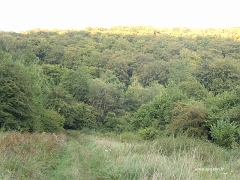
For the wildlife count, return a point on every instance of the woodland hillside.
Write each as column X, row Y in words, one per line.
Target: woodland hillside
column 154, row 82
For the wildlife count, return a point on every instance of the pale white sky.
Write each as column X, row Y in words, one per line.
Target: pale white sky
column 21, row 15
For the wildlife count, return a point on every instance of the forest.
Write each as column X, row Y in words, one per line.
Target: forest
column 150, row 81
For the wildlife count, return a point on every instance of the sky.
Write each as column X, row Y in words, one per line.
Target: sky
column 22, row 15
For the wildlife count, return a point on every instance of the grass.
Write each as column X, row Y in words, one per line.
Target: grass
column 28, row 156
column 96, row 156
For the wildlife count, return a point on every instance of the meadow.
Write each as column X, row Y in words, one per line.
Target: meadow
column 90, row 156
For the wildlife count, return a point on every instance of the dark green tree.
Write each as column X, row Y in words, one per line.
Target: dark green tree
column 76, row 83
column 19, row 98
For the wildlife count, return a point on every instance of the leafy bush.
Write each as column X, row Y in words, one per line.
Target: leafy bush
column 188, row 119
column 51, row 121
column 221, row 106
column 225, row 133
column 148, row 133
column 158, row 112
column 111, row 121
column 78, row 115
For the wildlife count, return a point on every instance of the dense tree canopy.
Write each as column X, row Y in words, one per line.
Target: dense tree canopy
column 173, row 80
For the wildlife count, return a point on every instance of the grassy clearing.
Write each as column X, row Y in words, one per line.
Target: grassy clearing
column 80, row 156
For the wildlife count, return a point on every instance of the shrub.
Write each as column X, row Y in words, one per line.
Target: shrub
column 188, row 119
column 51, row 121
column 148, row 133
column 225, row 133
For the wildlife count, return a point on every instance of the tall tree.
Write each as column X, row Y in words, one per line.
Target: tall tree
column 18, row 98
column 76, row 82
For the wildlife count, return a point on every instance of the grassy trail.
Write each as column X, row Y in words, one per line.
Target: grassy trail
column 77, row 160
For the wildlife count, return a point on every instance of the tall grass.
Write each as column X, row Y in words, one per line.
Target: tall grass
column 168, row 158
column 28, row 156
column 80, row 156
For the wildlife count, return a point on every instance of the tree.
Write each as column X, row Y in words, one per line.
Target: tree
column 51, row 121
column 71, row 57
column 222, row 106
column 157, row 113
column 21, row 95
column 174, row 48
column 193, row 89
column 137, row 95
column 120, row 66
column 54, row 56
column 152, row 72
column 219, row 75
column 54, row 73
column 134, row 95
column 192, row 58
column 105, row 97
column 16, row 97
column 179, row 71
column 76, row 83
column 188, row 119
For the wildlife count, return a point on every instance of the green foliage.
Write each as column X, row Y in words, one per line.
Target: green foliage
column 222, row 106
column 149, row 133
column 188, row 119
column 120, row 66
column 219, row 75
column 76, row 82
column 17, row 96
column 192, row 58
column 77, row 114
column 54, row 73
column 193, row 89
column 157, row 113
column 109, row 78
column 111, row 121
column 234, row 113
column 51, row 121
column 121, row 78
column 134, row 95
column 151, row 72
column 105, row 96
column 137, row 95
column 23, row 94
column 225, row 133
column 179, row 71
